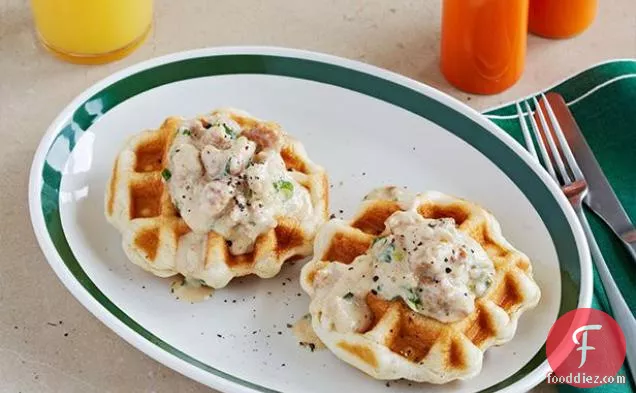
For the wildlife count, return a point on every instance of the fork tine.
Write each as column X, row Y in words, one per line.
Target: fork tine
column 556, row 156
column 565, row 147
column 537, row 134
column 526, row 133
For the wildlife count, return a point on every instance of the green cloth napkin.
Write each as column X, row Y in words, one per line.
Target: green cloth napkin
column 603, row 101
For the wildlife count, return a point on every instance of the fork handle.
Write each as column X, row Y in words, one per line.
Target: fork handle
column 622, row 314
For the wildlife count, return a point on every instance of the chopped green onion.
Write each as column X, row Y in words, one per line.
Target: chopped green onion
column 386, row 251
column 284, row 187
column 166, row 174
column 186, row 131
column 228, row 131
column 381, row 250
column 348, row 296
column 413, row 299
column 398, row 255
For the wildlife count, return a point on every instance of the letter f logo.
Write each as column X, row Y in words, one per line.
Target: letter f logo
column 584, row 347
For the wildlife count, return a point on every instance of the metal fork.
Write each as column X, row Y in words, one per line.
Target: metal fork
column 569, row 177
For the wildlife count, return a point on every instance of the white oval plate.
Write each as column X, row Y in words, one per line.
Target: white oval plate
column 368, row 127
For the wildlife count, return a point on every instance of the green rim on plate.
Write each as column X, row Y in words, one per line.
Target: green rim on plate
column 409, row 99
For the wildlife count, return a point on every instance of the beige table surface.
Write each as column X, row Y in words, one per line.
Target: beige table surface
column 48, row 341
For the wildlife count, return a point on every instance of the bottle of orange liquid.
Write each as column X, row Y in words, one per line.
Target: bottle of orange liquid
column 92, row 31
column 484, row 43
column 562, row 18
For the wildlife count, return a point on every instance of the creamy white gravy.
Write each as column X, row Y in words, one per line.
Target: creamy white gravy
column 232, row 181
column 190, row 289
column 436, row 269
column 306, row 335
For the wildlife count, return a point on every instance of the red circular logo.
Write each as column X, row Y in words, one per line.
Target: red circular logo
column 586, row 348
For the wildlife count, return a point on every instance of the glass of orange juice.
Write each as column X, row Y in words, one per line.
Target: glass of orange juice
column 562, row 18
column 92, row 31
column 483, row 45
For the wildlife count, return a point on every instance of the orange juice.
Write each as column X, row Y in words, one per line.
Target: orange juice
column 92, row 30
column 562, row 18
column 483, row 43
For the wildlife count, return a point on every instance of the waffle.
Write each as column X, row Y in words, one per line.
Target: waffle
column 154, row 235
column 399, row 342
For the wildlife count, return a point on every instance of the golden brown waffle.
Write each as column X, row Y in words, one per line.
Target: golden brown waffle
column 138, row 204
column 401, row 343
